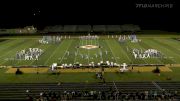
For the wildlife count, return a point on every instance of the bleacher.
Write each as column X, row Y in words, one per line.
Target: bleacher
column 88, row 28
column 70, row 28
column 99, row 28
column 57, row 28
column 130, row 27
column 83, row 28
column 113, row 28
column 104, row 91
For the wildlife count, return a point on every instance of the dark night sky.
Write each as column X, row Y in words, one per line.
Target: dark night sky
column 88, row 12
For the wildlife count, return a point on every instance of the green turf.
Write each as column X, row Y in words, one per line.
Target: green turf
column 117, row 52
column 88, row 77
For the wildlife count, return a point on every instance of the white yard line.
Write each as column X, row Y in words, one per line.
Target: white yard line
column 40, row 55
column 127, row 56
column 174, row 60
column 100, row 49
column 65, row 52
column 145, row 49
column 51, row 55
column 17, row 49
column 143, row 59
column 88, row 54
column 77, row 51
column 111, row 51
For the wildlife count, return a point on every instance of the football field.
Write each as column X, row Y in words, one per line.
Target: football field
column 74, row 50
column 70, row 51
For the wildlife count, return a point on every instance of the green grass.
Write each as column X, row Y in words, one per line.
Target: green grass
column 117, row 52
column 88, row 77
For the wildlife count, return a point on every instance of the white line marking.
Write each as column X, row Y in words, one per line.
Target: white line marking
column 65, row 51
